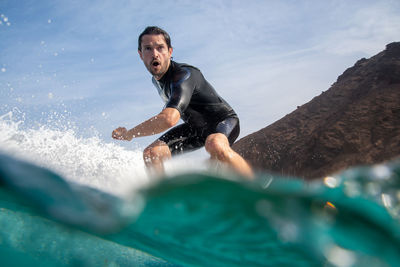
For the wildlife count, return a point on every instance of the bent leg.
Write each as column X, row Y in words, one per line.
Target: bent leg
column 217, row 145
column 154, row 156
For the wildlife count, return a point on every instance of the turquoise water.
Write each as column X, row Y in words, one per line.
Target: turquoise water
column 199, row 219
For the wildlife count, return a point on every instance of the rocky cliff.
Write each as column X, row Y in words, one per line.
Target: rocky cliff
column 355, row 122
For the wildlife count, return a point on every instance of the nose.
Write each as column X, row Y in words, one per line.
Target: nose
column 155, row 53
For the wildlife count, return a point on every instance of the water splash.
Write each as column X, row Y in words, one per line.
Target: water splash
column 90, row 161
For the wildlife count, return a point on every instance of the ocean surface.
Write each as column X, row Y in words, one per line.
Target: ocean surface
column 67, row 200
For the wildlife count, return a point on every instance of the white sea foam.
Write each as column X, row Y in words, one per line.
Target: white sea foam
column 90, row 161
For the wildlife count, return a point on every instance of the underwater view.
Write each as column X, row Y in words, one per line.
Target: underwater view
column 101, row 209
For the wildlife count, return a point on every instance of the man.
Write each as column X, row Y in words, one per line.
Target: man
column 208, row 119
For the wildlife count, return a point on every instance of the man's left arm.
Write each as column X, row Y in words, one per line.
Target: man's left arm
column 166, row 119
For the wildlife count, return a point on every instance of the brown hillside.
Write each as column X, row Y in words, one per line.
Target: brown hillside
column 355, row 122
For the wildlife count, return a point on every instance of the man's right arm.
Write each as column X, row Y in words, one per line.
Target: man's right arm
column 166, row 119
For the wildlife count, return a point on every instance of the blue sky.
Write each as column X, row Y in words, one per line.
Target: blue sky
column 66, row 63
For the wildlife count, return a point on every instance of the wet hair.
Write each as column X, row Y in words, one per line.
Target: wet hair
column 155, row 31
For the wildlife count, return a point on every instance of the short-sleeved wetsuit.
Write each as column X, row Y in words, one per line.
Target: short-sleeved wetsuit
column 203, row 111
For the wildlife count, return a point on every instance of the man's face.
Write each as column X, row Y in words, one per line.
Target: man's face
column 155, row 54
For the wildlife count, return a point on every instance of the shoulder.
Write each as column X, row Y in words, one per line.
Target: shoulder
column 183, row 65
column 182, row 72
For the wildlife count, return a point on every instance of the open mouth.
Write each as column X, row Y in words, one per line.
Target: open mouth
column 155, row 63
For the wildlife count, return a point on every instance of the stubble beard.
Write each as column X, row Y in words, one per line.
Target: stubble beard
column 160, row 73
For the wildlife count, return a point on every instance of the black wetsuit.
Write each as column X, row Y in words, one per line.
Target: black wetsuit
column 203, row 111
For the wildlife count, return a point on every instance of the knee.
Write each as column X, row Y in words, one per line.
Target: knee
column 148, row 154
column 217, row 144
column 151, row 154
column 155, row 153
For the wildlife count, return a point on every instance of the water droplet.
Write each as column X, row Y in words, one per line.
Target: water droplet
column 50, row 95
column 381, row 172
column 340, row 257
column 352, row 188
column 49, row 21
column 331, row 182
column 3, row 69
column 288, row 231
column 386, row 200
column 373, row 188
column 329, row 205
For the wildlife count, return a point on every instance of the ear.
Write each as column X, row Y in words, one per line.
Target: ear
column 140, row 54
column 170, row 51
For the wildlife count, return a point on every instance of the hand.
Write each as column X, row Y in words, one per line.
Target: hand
column 121, row 133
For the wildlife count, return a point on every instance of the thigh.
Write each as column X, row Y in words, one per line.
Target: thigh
column 183, row 138
column 230, row 128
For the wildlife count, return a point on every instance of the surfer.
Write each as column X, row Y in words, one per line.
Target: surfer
column 208, row 119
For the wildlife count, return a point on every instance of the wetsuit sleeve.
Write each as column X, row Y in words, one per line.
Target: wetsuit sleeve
column 181, row 91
